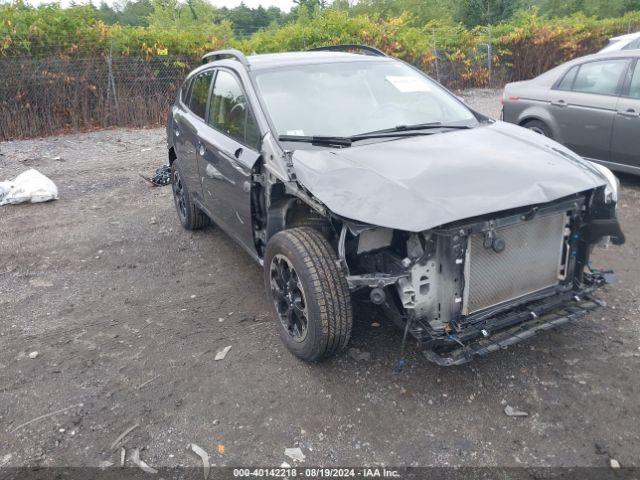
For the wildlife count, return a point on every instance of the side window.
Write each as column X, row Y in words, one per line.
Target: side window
column 185, row 90
column 567, row 81
column 200, row 94
column 634, row 86
column 632, row 45
column 229, row 111
column 600, row 77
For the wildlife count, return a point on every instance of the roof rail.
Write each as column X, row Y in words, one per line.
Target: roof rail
column 347, row 47
column 219, row 54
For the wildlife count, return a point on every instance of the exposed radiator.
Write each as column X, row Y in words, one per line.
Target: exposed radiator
column 530, row 262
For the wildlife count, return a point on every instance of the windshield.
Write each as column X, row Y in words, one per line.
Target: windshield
column 346, row 99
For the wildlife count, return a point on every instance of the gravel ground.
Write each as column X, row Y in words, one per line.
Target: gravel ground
column 127, row 311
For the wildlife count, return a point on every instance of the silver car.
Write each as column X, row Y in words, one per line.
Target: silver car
column 591, row 105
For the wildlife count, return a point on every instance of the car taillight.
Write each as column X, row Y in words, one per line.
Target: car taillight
column 510, row 98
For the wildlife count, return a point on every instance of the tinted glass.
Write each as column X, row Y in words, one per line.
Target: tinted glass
column 185, row 90
column 229, row 112
column 567, row 81
column 200, row 93
column 634, row 87
column 600, row 77
column 345, row 99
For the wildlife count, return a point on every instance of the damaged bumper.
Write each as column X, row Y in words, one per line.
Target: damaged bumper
column 475, row 287
column 480, row 341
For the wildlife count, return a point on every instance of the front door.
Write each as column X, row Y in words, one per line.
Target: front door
column 625, row 140
column 227, row 151
column 585, row 111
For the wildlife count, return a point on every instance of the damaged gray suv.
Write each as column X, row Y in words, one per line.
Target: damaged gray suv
column 351, row 176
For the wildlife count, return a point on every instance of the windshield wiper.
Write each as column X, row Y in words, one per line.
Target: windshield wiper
column 417, row 126
column 398, row 131
column 317, row 140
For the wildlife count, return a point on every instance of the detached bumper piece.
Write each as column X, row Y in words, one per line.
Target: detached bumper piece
column 569, row 311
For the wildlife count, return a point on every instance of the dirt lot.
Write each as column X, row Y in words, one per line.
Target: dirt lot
column 127, row 311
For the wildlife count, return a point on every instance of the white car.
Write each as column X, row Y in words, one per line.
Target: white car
column 630, row 41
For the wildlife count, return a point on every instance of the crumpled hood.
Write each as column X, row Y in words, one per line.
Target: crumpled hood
column 418, row 183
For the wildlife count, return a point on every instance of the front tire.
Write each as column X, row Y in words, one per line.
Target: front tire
column 191, row 217
column 308, row 289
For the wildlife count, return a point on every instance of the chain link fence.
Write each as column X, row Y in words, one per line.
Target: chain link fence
column 42, row 96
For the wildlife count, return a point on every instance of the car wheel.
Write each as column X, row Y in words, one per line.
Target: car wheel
column 308, row 289
column 538, row 127
column 191, row 217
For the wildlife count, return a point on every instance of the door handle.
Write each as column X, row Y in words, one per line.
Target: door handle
column 559, row 103
column 629, row 113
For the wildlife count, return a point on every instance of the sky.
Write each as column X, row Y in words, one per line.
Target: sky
column 283, row 4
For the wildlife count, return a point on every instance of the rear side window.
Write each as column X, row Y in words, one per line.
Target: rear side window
column 600, row 77
column 200, row 93
column 230, row 113
column 634, row 86
column 567, row 81
column 184, row 91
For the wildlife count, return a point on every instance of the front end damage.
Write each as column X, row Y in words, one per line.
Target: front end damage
column 475, row 286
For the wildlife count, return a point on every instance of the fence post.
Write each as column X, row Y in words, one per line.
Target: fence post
column 435, row 53
column 111, row 84
column 489, row 55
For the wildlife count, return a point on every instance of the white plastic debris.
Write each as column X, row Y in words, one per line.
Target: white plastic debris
column 295, row 454
column 204, row 456
column 105, row 464
column 222, row 353
column 512, row 412
column 613, row 463
column 33, row 355
column 30, row 186
column 135, row 458
column 124, row 434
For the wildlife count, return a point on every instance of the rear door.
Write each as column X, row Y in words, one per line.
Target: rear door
column 227, row 151
column 178, row 113
column 625, row 140
column 187, row 122
column 584, row 104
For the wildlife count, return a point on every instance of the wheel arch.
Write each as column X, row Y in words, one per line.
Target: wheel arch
column 541, row 115
column 172, row 155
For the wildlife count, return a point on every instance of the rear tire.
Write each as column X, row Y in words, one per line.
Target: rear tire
column 538, row 127
column 191, row 217
column 308, row 289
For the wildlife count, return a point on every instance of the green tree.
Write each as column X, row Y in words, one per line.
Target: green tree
column 107, row 14
column 485, row 12
column 423, row 11
column 135, row 13
column 311, row 6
